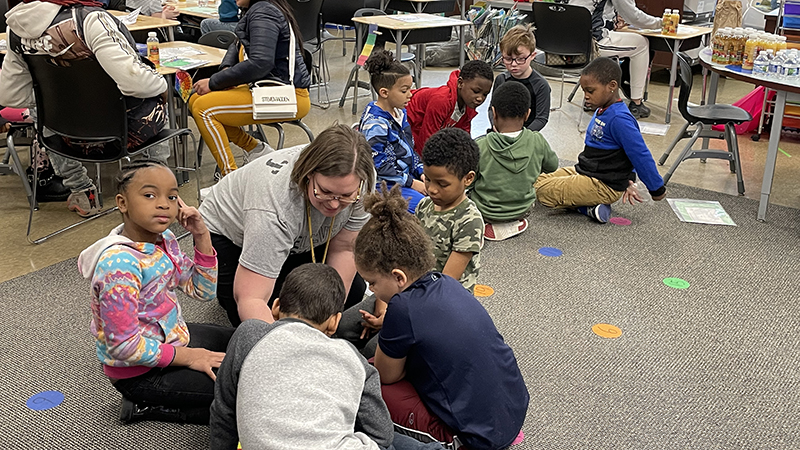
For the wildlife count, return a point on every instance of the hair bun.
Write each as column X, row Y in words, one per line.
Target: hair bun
column 379, row 61
column 387, row 206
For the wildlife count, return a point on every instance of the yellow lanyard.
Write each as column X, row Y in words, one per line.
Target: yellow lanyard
column 311, row 235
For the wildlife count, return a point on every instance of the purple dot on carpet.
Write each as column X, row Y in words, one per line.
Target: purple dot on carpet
column 550, row 251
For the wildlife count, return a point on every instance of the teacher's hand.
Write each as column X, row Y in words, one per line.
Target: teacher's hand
column 201, row 87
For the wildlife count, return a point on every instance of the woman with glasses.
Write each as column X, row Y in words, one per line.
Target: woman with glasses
column 518, row 47
column 291, row 207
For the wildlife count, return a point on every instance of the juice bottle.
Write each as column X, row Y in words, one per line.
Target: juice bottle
column 781, row 43
column 749, row 52
column 152, row 49
column 666, row 22
column 715, row 44
column 727, row 53
column 676, row 19
column 772, row 44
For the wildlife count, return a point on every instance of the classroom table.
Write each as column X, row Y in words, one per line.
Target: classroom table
column 784, row 89
column 144, row 23
column 400, row 23
column 214, row 57
column 419, row 5
column 689, row 36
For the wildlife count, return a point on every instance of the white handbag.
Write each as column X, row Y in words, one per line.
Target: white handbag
column 273, row 99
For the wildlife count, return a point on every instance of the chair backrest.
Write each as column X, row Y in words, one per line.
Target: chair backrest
column 685, row 79
column 552, row 21
column 308, row 14
column 441, row 6
column 81, row 102
column 218, row 39
column 361, row 29
column 3, row 11
column 339, row 12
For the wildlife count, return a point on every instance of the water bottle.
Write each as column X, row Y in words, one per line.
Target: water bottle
column 775, row 64
column 152, row 49
column 761, row 64
column 790, row 66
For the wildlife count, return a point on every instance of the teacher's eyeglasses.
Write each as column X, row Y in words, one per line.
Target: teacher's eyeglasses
column 520, row 60
column 340, row 198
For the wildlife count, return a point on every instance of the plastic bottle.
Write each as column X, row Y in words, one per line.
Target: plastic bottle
column 738, row 47
column 790, row 66
column 676, row 20
column 152, row 49
column 782, row 43
column 750, row 51
column 666, row 22
column 727, row 52
column 772, row 43
column 775, row 65
column 718, row 46
column 761, row 64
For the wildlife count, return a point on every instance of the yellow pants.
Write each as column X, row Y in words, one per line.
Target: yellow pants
column 566, row 188
column 220, row 116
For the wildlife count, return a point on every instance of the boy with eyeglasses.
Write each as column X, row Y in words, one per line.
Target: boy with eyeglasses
column 518, row 47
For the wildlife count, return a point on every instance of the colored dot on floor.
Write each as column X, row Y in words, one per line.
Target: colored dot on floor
column 481, row 290
column 620, row 221
column 44, row 400
column 550, row 251
column 677, row 283
column 607, row 331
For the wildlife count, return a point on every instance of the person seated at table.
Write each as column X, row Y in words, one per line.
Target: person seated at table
column 77, row 30
column 228, row 18
column 154, row 8
column 607, row 18
column 223, row 103
column 452, row 105
column 614, row 153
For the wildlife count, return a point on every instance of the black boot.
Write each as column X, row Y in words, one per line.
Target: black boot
column 51, row 188
column 132, row 413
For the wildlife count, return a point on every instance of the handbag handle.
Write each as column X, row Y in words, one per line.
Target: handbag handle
column 262, row 83
column 292, row 51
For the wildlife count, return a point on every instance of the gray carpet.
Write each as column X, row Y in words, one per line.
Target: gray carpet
column 715, row 366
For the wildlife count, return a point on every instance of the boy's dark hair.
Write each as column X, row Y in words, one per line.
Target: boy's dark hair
column 454, row 149
column 313, row 292
column 604, row 70
column 384, row 70
column 393, row 238
column 511, row 100
column 476, row 68
column 125, row 175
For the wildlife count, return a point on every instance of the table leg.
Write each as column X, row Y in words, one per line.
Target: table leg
column 772, row 154
column 384, row 4
column 171, row 34
column 178, row 149
column 462, row 51
column 673, row 75
column 462, row 9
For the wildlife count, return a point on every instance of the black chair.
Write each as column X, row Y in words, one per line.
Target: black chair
column 340, row 13
column 704, row 117
column 552, row 19
column 82, row 102
column 441, row 6
column 308, row 14
column 11, row 164
column 218, row 38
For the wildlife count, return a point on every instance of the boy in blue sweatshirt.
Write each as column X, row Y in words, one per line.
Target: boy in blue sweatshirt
column 613, row 155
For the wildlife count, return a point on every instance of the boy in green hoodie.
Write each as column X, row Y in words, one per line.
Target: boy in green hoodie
column 512, row 157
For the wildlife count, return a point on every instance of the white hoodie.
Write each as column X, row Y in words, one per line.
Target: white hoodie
column 102, row 36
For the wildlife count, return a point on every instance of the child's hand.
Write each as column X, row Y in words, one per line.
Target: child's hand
column 169, row 12
column 631, row 194
column 198, row 359
column 190, row 218
column 419, row 186
column 201, row 87
column 371, row 323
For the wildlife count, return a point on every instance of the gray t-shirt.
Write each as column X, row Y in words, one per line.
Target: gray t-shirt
column 259, row 209
column 149, row 7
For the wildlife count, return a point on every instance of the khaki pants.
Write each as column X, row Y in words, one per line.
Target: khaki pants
column 220, row 116
column 566, row 188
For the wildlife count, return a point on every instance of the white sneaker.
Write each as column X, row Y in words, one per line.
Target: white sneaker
column 261, row 149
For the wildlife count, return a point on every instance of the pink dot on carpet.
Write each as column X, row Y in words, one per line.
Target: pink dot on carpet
column 620, row 221
column 519, row 438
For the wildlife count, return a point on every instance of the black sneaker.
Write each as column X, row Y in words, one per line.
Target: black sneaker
column 132, row 413
column 639, row 111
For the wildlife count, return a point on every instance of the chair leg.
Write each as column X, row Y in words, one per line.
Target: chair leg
column 99, row 185
column 306, row 129
column 683, row 154
column 669, row 149
column 347, row 86
column 11, row 158
column 733, row 147
column 560, row 95
column 574, row 91
column 200, row 152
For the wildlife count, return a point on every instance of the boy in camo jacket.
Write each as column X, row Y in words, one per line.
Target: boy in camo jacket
column 450, row 161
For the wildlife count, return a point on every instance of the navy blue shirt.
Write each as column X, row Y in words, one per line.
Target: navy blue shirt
column 457, row 361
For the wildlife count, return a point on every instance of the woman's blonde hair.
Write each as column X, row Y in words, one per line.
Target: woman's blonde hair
column 336, row 152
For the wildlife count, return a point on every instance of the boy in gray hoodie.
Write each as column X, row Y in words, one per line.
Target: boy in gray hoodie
column 288, row 385
column 512, row 157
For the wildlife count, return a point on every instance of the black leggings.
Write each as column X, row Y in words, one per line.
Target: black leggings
column 228, row 255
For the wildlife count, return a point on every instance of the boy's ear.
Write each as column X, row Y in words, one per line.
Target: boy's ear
column 383, row 93
column 469, row 178
column 332, row 324
column 121, row 203
column 276, row 309
column 527, row 114
column 494, row 114
column 460, row 83
column 613, row 85
column 400, row 278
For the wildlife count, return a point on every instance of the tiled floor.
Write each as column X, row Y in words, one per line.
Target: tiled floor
column 18, row 257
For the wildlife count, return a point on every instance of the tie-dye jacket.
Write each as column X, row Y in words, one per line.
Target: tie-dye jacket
column 136, row 317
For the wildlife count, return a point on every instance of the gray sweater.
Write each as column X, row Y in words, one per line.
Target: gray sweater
column 288, row 386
